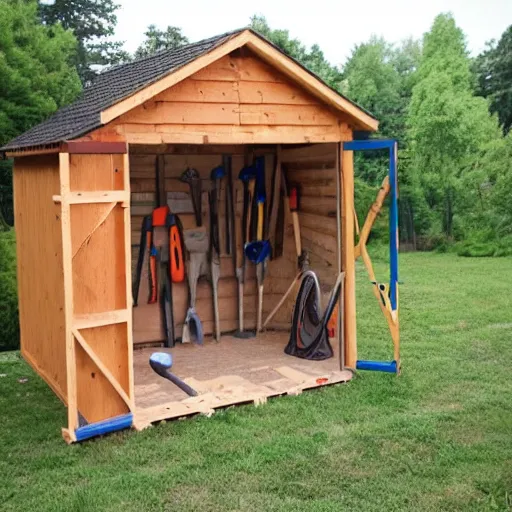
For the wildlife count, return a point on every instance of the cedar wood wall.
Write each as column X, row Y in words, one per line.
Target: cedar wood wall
column 39, row 260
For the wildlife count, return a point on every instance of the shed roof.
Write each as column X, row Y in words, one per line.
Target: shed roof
column 119, row 82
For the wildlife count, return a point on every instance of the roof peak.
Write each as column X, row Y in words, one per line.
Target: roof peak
column 164, row 51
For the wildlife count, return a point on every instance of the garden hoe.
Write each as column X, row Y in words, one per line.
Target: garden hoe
column 247, row 176
column 217, row 175
column 161, row 363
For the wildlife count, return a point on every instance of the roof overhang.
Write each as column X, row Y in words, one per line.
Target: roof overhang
column 267, row 52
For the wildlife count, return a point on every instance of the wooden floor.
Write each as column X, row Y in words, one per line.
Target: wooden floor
column 230, row 372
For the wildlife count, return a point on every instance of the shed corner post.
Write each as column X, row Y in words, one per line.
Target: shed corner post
column 71, row 388
column 346, row 164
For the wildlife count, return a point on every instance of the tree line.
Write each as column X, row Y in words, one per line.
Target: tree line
column 450, row 113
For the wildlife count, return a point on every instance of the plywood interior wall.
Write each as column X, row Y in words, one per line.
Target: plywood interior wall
column 237, row 99
column 40, row 274
column 313, row 167
column 310, row 166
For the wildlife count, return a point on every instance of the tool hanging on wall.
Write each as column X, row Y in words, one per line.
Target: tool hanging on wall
column 196, row 243
column 217, row 175
column 161, row 240
column 293, row 201
column 247, row 176
column 278, row 246
column 302, row 255
column 192, row 178
column 229, row 214
column 258, row 252
column 275, row 202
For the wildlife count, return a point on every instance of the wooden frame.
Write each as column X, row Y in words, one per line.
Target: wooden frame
column 91, row 318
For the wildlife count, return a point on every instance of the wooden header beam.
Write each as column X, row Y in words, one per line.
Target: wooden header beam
column 78, row 147
column 73, row 147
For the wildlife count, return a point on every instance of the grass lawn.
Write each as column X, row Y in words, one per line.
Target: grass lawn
column 439, row 437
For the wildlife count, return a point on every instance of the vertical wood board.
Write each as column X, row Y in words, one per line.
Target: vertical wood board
column 39, row 267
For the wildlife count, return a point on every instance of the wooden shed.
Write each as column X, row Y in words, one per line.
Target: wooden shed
column 85, row 179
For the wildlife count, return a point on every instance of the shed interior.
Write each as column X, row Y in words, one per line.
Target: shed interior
column 233, row 370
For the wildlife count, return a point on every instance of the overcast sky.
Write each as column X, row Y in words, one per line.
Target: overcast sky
column 335, row 25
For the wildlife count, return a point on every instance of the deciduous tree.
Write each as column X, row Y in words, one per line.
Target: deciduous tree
column 36, row 78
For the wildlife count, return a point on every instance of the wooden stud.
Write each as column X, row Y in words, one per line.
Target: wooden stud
column 67, row 259
column 88, row 321
column 347, row 215
column 128, row 276
column 100, row 196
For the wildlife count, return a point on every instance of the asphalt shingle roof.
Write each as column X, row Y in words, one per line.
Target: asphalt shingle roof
column 110, row 87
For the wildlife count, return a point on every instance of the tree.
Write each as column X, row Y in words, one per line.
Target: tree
column 494, row 77
column 36, row 78
column 312, row 59
column 92, row 22
column 373, row 82
column 448, row 128
column 156, row 40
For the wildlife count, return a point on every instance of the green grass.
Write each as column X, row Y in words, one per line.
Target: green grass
column 439, row 437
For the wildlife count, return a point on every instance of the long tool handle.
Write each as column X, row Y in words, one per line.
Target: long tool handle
column 250, row 190
column 283, row 298
column 293, row 199
column 275, row 200
column 167, row 306
column 215, row 284
column 181, row 384
column 259, row 235
column 296, row 233
column 260, row 269
column 230, row 207
column 239, row 259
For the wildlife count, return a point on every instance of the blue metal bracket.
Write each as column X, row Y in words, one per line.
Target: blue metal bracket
column 104, row 427
column 377, row 366
column 391, row 146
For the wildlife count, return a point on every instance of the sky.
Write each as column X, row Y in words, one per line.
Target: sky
column 336, row 26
